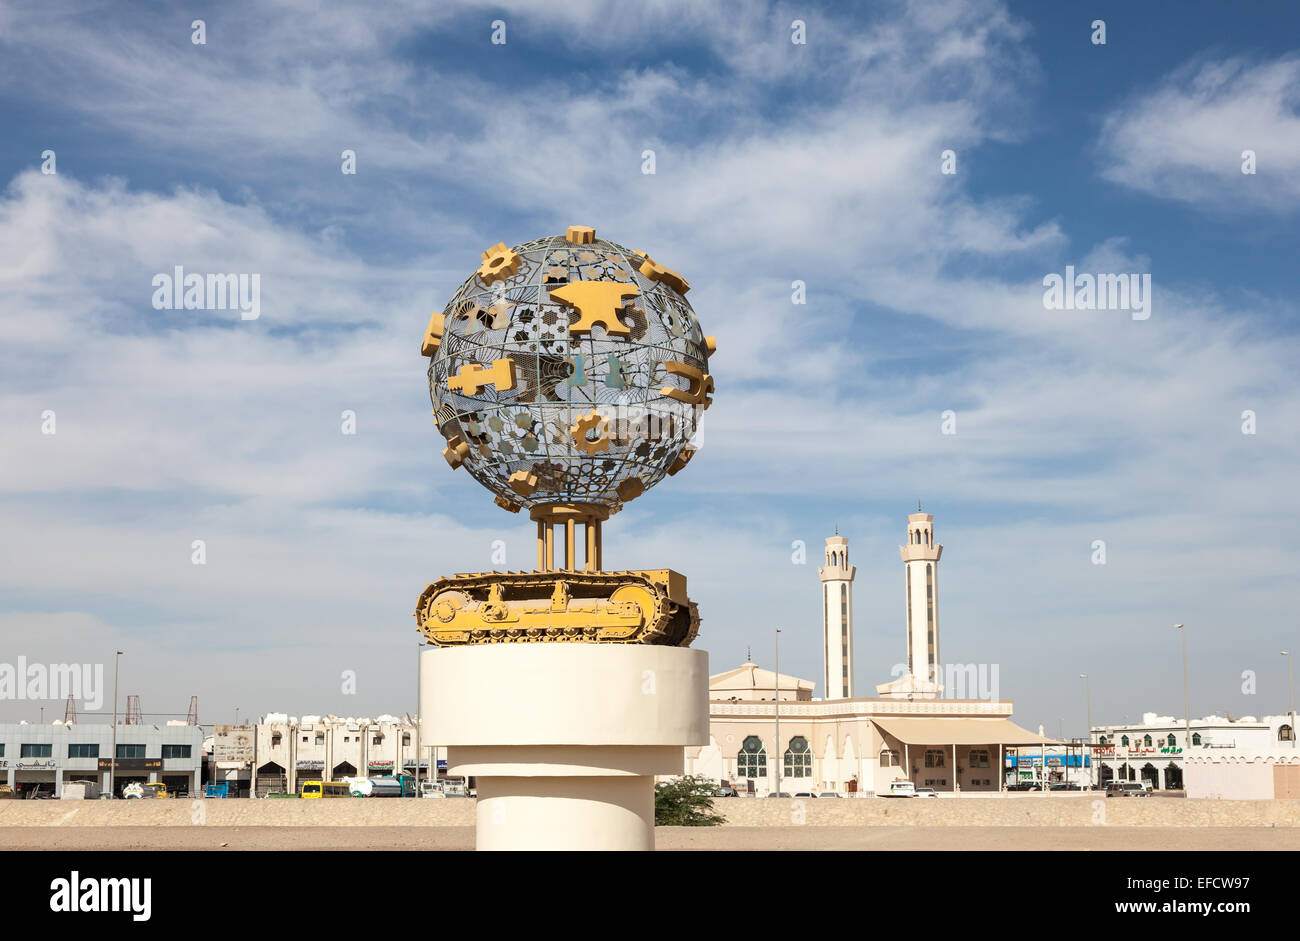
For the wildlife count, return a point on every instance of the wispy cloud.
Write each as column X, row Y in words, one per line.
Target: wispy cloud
column 1185, row 138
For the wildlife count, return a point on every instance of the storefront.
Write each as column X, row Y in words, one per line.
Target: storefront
column 37, row 760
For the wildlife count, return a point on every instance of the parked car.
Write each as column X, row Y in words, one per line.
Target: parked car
column 6, row 792
column 805, row 794
column 778, row 794
column 925, row 792
column 1127, row 789
column 1064, row 786
column 828, row 794
column 725, row 790
column 900, row 789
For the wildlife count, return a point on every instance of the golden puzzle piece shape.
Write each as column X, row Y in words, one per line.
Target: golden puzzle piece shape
column 597, row 302
column 432, row 336
column 456, row 451
column 657, row 272
column 523, row 482
column 630, row 489
column 701, row 385
column 472, row 377
column 580, row 234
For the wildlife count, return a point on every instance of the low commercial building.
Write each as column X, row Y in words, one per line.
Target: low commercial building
column 42, row 758
column 1157, row 750
column 280, row 751
column 1047, row 767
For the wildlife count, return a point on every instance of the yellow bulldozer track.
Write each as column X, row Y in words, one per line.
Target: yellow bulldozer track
column 648, row 607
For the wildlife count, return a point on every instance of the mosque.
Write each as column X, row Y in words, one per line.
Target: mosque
column 912, row 729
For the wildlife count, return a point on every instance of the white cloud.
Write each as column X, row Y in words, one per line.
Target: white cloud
column 1184, row 139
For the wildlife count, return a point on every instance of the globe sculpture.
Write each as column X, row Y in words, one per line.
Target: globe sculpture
column 568, row 375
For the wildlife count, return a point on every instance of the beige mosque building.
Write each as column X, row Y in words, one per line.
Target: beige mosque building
column 910, row 730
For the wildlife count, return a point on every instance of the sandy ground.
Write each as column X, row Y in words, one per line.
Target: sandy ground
column 667, row 838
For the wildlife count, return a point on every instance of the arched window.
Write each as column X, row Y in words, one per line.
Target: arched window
column 752, row 760
column 934, row 757
column 888, row 758
column 1124, row 740
column 1171, row 741
column 1101, row 740
column 1285, row 734
column 798, row 759
column 1196, row 738
column 1146, row 741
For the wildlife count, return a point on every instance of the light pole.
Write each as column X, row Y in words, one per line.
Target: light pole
column 1290, row 661
column 112, row 768
column 1187, row 709
column 419, row 652
column 777, row 683
column 1087, row 692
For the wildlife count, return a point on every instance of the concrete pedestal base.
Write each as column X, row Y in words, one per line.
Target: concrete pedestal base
column 564, row 740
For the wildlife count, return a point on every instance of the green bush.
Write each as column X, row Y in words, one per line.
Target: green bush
column 686, row 802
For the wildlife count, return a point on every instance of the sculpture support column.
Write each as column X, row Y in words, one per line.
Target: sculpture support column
column 565, row 739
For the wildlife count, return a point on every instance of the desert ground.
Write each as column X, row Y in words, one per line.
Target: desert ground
column 666, row 838
column 1032, row 822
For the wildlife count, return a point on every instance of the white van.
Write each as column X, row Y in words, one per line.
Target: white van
column 900, row 789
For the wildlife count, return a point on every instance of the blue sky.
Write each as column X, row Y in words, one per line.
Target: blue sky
column 775, row 162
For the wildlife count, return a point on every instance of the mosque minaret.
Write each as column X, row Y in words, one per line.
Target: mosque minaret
column 921, row 577
column 837, row 618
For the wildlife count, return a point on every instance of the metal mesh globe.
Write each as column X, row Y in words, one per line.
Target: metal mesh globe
column 579, row 415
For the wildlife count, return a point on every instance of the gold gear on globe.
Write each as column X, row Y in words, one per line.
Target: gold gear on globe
column 586, row 424
column 500, row 263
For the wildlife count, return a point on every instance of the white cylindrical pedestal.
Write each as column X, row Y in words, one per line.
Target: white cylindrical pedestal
column 565, row 739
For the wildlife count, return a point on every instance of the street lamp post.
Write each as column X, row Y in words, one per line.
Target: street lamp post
column 777, row 684
column 1087, row 692
column 112, row 767
column 1187, row 709
column 419, row 651
column 1291, row 672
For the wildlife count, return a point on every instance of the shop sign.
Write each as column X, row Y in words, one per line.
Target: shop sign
column 311, row 765
column 381, row 764
column 131, row 764
column 1171, row 751
column 32, row 764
